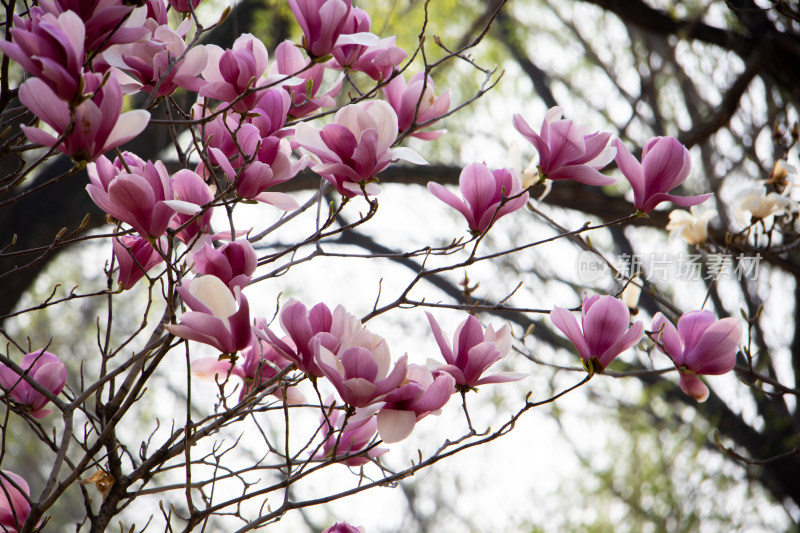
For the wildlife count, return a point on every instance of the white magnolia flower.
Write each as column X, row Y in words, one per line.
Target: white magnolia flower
column 756, row 203
column 691, row 226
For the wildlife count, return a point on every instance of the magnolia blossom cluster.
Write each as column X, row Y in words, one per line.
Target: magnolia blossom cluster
column 753, row 207
column 358, row 364
column 567, row 151
column 386, row 396
column 83, row 56
column 701, row 345
column 83, row 60
column 70, row 88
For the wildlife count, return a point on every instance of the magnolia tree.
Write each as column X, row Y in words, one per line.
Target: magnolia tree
column 341, row 104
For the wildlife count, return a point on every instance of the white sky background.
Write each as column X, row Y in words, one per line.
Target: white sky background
column 531, row 475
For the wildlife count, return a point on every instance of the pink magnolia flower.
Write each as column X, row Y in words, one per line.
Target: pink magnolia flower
column 270, row 166
column 322, row 22
column 412, row 100
column 361, row 374
column 46, row 369
column 218, row 317
column 135, row 256
column 359, row 50
column 605, row 333
column 357, row 22
column 356, row 436
column 343, row 527
column 665, row 165
column 49, row 47
column 260, row 363
column 472, row 353
column 307, row 328
column 233, row 263
column 700, row 345
column 107, row 22
column 232, row 73
column 567, row 151
column 420, row 395
column 14, row 505
column 92, row 128
column 305, row 82
column 378, row 60
column 483, row 191
column 356, row 147
column 144, row 199
column 235, row 140
column 150, row 60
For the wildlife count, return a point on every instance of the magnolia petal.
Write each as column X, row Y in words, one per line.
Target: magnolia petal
column 37, row 136
column 223, row 162
column 395, row 425
column 371, row 189
column 478, row 359
column 692, row 326
column 363, row 38
column 37, row 96
column 692, row 386
column 468, row 335
column 668, row 337
column 665, row 163
column 632, row 170
column 564, row 321
column 358, row 362
column 278, row 199
column 445, row 195
column 582, row 174
column 683, row 201
column 183, row 207
column 128, row 126
column 205, row 328
column 358, row 392
column 534, row 138
column 631, row 337
column 436, row 395
column 454, row 371
column 501, row 377
column 386, row 123
column 407, row 154
column 598, row 153
column 441, row 340
column 214, row 294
